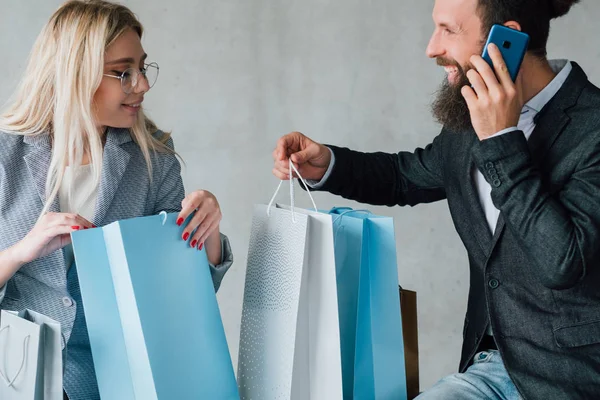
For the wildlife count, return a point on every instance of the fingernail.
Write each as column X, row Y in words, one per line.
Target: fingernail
column 201, row 246
column 194, row 243
column 75, row 227
column 94, row 226
column 186, row 236
column 180, row 221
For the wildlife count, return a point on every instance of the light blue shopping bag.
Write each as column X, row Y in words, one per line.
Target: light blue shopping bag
column 373, row 365
column 154, row 324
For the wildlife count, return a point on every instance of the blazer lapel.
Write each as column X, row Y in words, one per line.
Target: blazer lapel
column 114, row 164
column 548, row 128
column 552, row 119
column 38, row 164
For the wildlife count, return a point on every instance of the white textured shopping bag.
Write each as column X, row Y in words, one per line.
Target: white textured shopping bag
column 30, row 357
column 289, row 340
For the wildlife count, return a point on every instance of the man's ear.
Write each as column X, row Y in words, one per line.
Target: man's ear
column 513, row 25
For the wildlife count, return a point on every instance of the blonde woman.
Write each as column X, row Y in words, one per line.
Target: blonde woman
column 76, row 151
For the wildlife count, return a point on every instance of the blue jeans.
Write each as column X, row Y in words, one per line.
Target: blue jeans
column 486, row 378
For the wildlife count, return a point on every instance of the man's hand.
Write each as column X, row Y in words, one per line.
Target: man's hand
column 494, row 100
column 309, row 157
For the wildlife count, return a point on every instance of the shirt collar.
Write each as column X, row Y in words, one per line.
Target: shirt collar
column 562, row 68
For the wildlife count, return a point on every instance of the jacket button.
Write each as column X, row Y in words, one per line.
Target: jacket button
column 493, row 283
column 494, row 176
column 489, row 165
column 496, row 182
column 67, row 302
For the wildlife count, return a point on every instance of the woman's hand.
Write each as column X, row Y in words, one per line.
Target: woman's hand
column 52, row 232
column 205, row 222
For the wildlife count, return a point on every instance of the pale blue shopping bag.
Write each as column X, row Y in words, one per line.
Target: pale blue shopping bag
column 373, row 365
column 153, row 320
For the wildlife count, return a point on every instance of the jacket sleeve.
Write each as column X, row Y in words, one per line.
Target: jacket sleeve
column 388, row 179
column 559, row 231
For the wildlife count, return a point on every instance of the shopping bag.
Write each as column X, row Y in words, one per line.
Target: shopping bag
column 289, row 341
column 152, row 316
column 373, row 364
column 30, row 356
column 410, row 331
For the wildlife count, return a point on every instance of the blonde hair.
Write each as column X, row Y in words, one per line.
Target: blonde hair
column 55, row 96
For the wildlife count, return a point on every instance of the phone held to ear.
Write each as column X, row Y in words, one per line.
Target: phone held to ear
column 512, row 44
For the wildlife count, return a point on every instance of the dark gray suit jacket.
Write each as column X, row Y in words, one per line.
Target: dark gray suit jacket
column 537, row 279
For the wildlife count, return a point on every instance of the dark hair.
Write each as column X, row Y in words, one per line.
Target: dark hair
column 533, row 15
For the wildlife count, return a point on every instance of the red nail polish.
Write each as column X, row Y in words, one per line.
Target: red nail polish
column 180, row 221
column 94, row 226
column 194, row 243
column 201, row 246
column 186, row 236
column 75, row 227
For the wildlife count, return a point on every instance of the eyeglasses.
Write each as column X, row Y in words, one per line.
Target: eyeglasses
column 131, row 77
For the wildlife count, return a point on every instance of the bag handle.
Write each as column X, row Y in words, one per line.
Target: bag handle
column 339, row 210
column 9, row 382
column 339, row 214
column 164, row 216
column 292, row 169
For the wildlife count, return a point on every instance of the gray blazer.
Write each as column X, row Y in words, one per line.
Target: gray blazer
column 536, row 280
column 125, row 192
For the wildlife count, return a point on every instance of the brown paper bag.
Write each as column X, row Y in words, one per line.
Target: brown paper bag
column 408, row 309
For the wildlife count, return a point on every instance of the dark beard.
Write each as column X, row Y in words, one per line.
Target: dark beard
column 449, row 107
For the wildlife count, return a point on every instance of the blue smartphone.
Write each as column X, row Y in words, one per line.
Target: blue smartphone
column 512, row 44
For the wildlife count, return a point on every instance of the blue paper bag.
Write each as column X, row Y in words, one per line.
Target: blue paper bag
column 373, row 365
column 152, row 316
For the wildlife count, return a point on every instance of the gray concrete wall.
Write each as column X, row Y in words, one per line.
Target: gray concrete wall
column 237, row 74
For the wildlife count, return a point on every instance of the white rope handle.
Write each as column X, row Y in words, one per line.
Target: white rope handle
column 340, row 215
column 292, row 169
column 9, row 382
column 164, row 216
